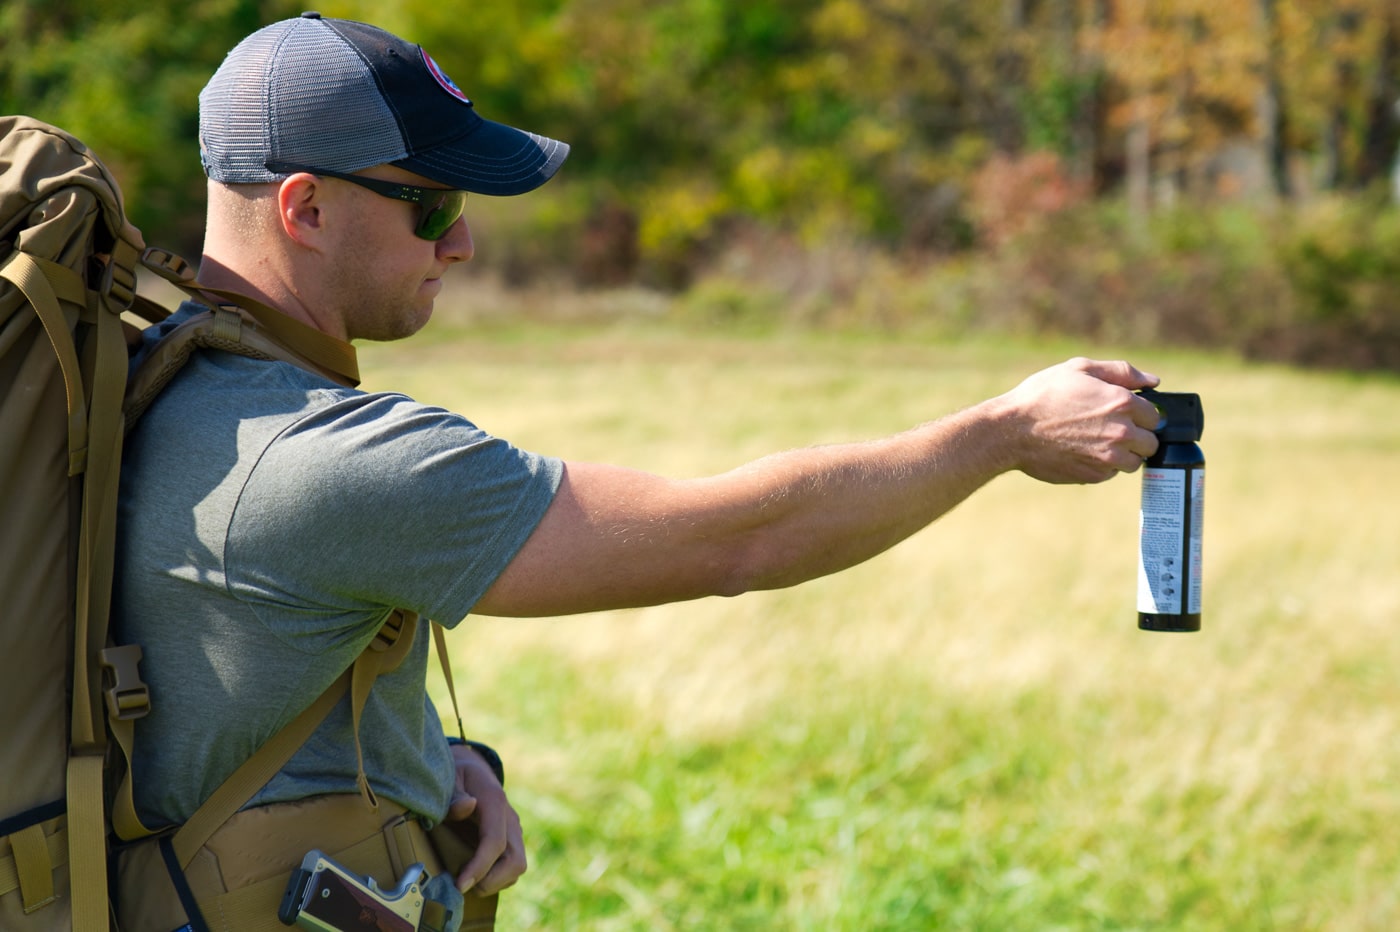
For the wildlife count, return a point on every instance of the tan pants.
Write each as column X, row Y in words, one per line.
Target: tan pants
column 237, row 880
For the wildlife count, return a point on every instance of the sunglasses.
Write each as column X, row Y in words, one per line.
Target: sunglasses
column 438, row 208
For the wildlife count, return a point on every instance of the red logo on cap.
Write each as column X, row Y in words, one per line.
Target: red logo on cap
column 446, row 83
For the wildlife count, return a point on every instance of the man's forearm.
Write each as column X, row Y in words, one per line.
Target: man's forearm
column 810, row 512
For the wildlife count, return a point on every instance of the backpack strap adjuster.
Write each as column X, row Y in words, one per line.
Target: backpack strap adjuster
column 128, row 697
column 169, row 266
column 119, row 281
column 391, row 632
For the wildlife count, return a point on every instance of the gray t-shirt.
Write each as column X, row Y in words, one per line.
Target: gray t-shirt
column 269, row 521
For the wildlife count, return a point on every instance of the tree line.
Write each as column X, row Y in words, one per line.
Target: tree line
column 880, row 119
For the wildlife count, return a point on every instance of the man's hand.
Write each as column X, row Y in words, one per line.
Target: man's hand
column 479, row 802
column 1080, row 421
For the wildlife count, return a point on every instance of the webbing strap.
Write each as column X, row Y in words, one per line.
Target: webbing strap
column 97, row 539
column 321, row 348
column 125, row 822
column 391, row 645
column 36, row 280
column 440, row 643
column 385, row 653
column 87, row 843
column 33, row 868
column 87, row 835
column 15, row 866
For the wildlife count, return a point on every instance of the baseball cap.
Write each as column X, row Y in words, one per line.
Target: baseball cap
column 343, row 96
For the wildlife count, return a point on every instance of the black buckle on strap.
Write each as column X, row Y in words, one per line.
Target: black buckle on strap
column 127, row 696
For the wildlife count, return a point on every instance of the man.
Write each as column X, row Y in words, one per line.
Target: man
column 272, row 519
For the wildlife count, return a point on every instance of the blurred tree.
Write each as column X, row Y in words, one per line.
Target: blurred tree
column 1338, row 77
column 1271, row 111
column 1185, row 75
column 124, row 76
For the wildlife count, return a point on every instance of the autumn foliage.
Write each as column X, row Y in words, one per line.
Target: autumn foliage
column 927, row 131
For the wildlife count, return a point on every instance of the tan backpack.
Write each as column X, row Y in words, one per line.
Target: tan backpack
column 69, row 312
column 69, row 259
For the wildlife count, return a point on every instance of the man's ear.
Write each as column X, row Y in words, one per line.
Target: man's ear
column 299, row 207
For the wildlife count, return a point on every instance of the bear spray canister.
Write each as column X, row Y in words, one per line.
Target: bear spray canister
column 1171, row 518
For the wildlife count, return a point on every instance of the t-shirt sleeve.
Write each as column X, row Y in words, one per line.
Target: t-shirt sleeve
column 375, row 500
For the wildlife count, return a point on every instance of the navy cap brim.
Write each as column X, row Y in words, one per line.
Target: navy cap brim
column 490, row 158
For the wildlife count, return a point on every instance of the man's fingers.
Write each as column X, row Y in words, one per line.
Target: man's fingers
column 488, row 852
column 1145, row 414
column 505, row 872
column 491, row 870
column 467, row 879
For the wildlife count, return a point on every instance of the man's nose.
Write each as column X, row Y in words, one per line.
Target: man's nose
column 456, row 244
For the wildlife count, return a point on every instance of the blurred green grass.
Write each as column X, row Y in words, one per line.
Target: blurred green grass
column 967, row 732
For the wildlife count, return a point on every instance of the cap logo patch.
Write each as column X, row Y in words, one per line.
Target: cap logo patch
column 446, row 83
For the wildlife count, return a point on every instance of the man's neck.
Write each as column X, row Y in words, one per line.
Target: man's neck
column 269, row 290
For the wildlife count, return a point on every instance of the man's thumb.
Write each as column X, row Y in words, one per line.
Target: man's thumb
column 1120, row 372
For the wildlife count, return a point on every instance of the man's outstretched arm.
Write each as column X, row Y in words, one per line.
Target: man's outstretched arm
column 617, row 538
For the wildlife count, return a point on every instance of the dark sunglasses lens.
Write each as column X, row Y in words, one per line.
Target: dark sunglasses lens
column 438, row 216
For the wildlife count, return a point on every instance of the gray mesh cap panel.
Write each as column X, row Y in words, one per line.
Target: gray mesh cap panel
column 233, row 124
column 311, row 100
column 327, row 107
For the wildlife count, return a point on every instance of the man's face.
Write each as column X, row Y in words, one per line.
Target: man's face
column 384, row 277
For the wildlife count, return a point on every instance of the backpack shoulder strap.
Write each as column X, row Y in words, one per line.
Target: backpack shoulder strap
column 388, row 649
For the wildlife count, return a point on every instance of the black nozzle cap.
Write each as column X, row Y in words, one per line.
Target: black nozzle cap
column 1183, row 418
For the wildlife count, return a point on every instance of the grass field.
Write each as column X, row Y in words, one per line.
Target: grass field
column 968, row 732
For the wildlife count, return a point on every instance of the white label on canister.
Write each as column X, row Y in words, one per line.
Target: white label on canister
column 1161, row 531
column 1198, row 523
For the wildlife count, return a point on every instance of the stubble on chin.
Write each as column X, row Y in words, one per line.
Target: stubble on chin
column 388, row 327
